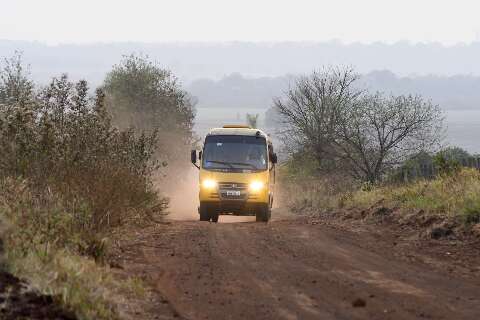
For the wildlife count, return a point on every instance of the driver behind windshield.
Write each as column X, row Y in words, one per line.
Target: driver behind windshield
column 255, row 157
column 235, row 153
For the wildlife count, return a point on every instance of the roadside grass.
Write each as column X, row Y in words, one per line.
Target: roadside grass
column 73, row 281
column 455, row 195
column 302, row 191
column 45, row 243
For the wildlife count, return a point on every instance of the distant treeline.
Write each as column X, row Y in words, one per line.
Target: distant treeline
column 237, row 91
column 194, row 60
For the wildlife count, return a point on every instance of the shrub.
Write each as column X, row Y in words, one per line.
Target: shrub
column 471, row 212
column 141, row 94
column 43, row 239
column 67, row 177
column 64, row 141
column 446, row 165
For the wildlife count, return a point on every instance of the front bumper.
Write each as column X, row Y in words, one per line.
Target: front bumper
column 234, row 192
column 238, row 208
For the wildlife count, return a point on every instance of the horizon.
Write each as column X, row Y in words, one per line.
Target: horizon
column 194, row 60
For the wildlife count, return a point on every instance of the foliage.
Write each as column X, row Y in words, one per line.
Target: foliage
column 418, row 165
column 252, row 120
column 272, row 118
column 447, row 195
column 471, row 213
column 64, row 140
column 16, row 87
column 67, row 178
column 302, row 187
column 141, row 94
column 445, row 165
column 44, row 242
column 452, row 195
column 455, row 153
column 347, row 129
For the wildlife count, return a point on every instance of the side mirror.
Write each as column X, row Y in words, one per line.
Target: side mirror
column 274, row 158
column 193, row 156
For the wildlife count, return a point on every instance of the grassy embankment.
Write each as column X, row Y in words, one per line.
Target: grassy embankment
column 44, row 245
column 454, row 196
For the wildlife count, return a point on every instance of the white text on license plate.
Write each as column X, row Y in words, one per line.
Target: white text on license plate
column 233, row 193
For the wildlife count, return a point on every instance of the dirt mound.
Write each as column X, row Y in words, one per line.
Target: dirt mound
column 424, row 225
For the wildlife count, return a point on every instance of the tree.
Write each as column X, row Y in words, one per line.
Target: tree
column 455, row 154
column 354, row 131
column 379, row 133
column 15, row 85
column 252, row 120
column 141, row 94
column 311, row 110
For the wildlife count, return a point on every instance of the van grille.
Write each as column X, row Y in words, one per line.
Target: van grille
column 232, row 186
column 226, row 190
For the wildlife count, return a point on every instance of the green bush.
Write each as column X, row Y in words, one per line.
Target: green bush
column 471, row 212
column 446, row 165
column 62, row 140
column 68, row 176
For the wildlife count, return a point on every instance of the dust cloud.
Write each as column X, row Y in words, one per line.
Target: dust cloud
column 184, row 202
column 182, row 190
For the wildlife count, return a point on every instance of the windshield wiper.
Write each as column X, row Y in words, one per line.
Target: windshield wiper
column 221, row 162
column 245, row 164
column 230, row 164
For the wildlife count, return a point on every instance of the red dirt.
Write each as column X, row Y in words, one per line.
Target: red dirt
column 303, row 269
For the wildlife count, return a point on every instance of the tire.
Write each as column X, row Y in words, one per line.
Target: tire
column 204, row 214
column 214, row 217
column 263, row 214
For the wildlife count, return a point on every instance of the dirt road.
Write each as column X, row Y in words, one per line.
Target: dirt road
column 293, row 269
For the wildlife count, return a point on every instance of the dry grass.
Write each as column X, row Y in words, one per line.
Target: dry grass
column 45, row 245
column 302, row 193
column 455, row 195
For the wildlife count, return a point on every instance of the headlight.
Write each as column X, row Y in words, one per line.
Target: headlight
column 256, row 186
column 209, row 184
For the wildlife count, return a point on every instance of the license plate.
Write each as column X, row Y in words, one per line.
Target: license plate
column 233, row 193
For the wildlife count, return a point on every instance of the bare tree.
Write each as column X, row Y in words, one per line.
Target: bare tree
column 379, row 133
column 344, row 128
column 312, row 109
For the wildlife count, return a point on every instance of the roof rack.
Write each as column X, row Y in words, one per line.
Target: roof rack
column 236, row 126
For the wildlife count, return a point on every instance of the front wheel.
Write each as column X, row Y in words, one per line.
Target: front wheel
column 206, row 213
column 263, row 213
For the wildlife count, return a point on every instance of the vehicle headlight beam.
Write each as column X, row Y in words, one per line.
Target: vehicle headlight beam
column 209, row 184
column 256, row 186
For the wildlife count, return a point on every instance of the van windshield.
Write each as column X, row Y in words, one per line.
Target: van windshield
column 235, row 153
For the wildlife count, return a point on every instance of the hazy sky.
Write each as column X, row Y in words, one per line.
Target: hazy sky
column 56, row 21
